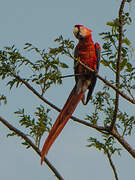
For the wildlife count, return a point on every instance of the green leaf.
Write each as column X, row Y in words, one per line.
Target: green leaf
column 26, row 144
column 63, row 65
column 27, row 45
column 110, row 23
column 129, row 67
column 126, row 41
column 11, row 134
column 4, row 99
column 105, row 63
column 123, row 64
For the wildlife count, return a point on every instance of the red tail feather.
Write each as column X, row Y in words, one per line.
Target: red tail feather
column 68, row 109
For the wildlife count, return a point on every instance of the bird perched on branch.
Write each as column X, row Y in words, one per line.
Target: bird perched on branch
column 89, row 54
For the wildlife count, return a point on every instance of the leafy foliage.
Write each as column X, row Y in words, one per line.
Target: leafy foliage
column 104, row 100
column 110, row 45
column 127, row 123
column 107, row 145
column 45, row 71
column 65, row 46
column 34, row 126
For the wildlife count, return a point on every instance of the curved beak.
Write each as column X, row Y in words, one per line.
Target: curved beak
column 76, row 32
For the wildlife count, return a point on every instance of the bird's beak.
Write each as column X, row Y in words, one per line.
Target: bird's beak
column 76, row 30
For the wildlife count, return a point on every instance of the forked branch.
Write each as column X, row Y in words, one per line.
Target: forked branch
column 101, row 129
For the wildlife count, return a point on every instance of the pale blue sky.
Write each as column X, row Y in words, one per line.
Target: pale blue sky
column 40, row 22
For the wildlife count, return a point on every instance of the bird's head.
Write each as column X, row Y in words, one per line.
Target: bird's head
column 81, row 32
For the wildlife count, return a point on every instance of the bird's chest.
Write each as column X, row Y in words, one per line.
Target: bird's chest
column 86, row 55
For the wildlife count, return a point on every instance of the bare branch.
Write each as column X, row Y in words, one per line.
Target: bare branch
column 112, row 164
column 101, row 129
column 35, row 148
column 70, row 75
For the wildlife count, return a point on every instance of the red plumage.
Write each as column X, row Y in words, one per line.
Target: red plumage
column 89, row 54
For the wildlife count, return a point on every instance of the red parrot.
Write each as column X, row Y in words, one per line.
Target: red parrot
column 89, row 54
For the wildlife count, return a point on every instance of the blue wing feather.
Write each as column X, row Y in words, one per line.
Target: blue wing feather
column 98, row 54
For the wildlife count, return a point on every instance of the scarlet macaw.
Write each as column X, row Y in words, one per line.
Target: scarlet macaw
column 89, row 54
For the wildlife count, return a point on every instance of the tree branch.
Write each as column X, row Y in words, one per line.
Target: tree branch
column 118, row 63
column 112, row 165
column 132, row 100
column 106, row 130
column 116, row 89
column 98, row 128
column 34, row 147
column 123, row 142
column 70, row 75
column 101, row 129
column 106, row 82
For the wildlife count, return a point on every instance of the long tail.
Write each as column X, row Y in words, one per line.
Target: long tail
column 68, row 109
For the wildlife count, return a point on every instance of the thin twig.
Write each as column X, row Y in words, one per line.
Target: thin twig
column 116, row 89
column 118, row 63
column 128, row 90
column 101, row 129
column 70, row 75
column 35, row 148
column 112, row 165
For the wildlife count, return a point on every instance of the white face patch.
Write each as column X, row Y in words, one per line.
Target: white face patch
column 83, row 32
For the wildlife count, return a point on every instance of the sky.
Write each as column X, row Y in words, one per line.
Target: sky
column 40, row 22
